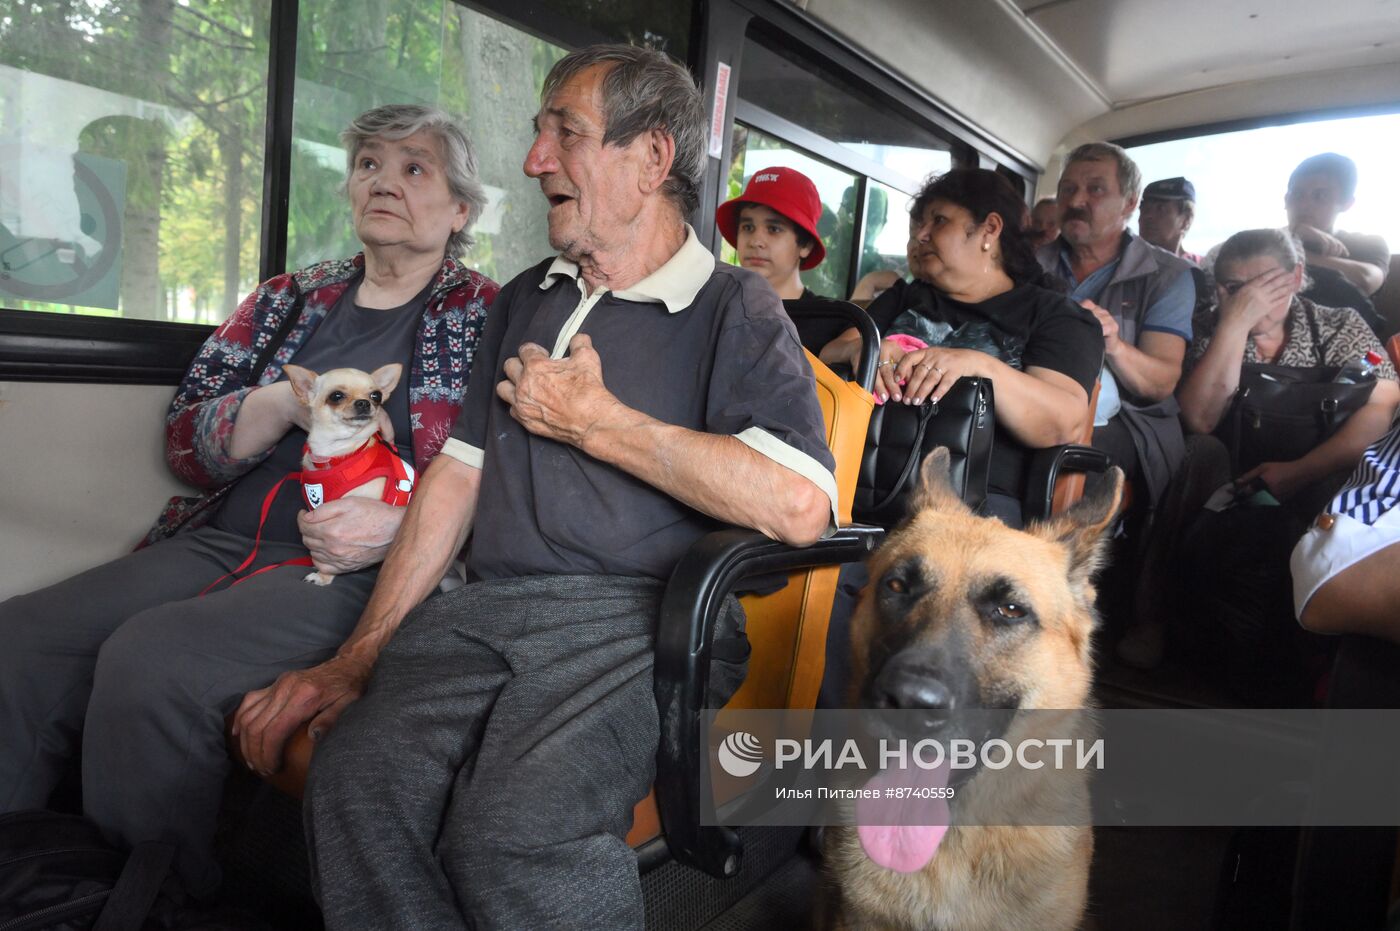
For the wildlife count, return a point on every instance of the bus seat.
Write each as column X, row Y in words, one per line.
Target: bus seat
column 1387, row 299
column 786, row 629
column 1056, row 478
column 1069, row 487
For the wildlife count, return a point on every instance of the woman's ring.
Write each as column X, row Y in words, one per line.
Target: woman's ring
column 938, row 370
column 925, row 366
column 886, row 362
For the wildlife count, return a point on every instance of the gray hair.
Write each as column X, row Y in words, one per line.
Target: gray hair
column 1279, row 245
column 1129, row 178
column 643, row 91
column 396, row 121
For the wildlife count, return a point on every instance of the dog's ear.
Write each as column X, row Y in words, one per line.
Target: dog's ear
column 1083, row 528
column 386, row 377
column 303, row 383
column 935, row 489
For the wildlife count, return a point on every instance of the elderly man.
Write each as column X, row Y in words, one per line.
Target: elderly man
column 1144, row 298
column 1165, row 214
column 629, row 396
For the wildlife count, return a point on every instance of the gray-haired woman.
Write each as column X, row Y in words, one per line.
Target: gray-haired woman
column 1231, row 562
column 131, row 662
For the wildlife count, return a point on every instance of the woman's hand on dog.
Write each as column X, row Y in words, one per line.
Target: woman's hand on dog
column 349, row 534
column 268, row 717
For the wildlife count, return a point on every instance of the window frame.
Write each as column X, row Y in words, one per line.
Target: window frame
column 1255, row 122
column 74, row 348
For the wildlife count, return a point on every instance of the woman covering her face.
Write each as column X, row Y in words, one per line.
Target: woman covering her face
column 978, row 306
column 1230, row 534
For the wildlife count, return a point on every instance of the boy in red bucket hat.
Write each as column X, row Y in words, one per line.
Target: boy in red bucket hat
column 773, row 225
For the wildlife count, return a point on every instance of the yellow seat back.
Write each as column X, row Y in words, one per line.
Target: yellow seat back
column 787, row 629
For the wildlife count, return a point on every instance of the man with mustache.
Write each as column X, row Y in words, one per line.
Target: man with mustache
column 1142, row 295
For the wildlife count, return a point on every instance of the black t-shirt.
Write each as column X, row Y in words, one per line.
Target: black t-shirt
column 814, row 328
column 350, row 337
column 1026, row 327
column 893, row 301
column 1330, row 288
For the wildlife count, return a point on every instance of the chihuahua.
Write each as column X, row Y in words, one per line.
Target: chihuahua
column 344, row 456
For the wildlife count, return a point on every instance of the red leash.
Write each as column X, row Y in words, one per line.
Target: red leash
column 262, row 519
column 333, row 478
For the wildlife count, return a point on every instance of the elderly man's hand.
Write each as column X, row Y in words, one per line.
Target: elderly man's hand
column 561, row 399
column 268, row 717
column 348, row 534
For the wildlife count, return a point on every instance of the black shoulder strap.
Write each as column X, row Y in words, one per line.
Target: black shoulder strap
column 136, row 888
column 278, row 338
column 1319, row 350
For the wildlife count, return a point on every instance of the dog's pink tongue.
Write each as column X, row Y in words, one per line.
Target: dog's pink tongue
column 903, row 834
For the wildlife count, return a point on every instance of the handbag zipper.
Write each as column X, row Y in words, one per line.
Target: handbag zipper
column 56, row 912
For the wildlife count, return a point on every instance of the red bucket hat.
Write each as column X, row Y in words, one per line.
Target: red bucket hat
column 787, row 191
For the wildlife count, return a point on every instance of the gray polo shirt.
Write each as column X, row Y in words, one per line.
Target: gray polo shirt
column 695, row 344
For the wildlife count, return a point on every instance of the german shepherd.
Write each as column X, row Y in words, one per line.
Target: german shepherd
column 963, row 612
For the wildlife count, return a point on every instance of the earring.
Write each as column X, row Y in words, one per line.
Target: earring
column 986, row 246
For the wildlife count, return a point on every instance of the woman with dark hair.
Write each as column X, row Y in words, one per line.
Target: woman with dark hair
column 978, row 307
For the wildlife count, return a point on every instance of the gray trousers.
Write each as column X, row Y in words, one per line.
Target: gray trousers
column 126, row 662
column 488, row 775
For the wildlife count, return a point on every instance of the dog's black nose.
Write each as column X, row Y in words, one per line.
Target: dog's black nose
column 362, row 407
column 906, row 688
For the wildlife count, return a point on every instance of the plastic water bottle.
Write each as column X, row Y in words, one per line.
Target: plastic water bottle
column 1359, row 370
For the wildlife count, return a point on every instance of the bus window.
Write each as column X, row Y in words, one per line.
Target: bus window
column 801, row 92
column 132, row 145
column 1241, row 176
column 752, row 151
column 885, row 230
column 443, row 55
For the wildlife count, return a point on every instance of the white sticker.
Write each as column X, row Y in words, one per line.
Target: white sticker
column 718, row 111
column 315, row 495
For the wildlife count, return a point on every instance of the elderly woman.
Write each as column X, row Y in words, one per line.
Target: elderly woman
column 978, row 305
column 1235, row 555
column 132, row 662
column 1262, row 318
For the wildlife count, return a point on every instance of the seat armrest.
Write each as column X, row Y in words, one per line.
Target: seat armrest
column 858, row 318
column 708, row 572
column 1047, row 465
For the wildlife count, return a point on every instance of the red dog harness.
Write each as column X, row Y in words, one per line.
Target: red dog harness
column 330, row 479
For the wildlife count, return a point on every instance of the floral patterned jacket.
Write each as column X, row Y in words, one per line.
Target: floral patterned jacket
column 199, row 424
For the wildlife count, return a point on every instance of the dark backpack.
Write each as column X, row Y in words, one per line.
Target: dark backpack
column 57, row 873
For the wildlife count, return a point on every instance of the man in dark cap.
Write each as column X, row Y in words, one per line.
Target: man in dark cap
column 1165, row 214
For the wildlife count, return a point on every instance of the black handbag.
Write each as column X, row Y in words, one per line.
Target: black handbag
column 901, row 435
column 1281, row 413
